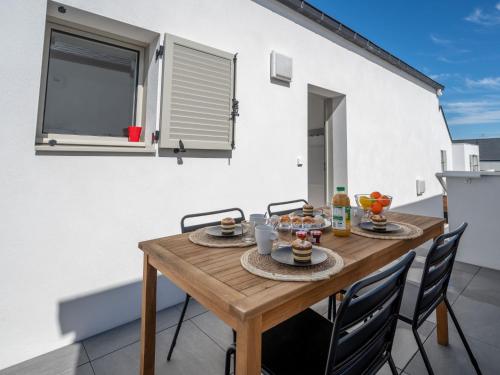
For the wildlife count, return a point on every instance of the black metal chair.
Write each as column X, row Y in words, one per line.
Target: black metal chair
column 358, row 342
column 190, row 228
column 432, row 291
column 270, row 206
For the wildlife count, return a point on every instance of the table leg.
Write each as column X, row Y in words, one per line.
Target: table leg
column 248, row 346
column 442, row 324
column 148, row 320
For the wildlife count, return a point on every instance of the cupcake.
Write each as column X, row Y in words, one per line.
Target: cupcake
column 302, row 251
column 285, row 220
column 308, row 210
column 227, row 225
column 379, row 222
column 296, row 221
column 308, row 222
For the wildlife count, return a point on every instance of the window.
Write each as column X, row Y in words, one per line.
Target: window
column 474, row 163
column 197, row 96
column 91, row 89
column 444, row 161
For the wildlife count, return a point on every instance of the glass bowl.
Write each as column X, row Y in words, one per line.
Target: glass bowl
column 372, row 206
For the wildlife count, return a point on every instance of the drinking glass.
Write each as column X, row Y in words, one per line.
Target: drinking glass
column 248, row 229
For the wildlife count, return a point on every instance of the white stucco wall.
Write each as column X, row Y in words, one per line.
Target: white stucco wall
column 461, row 154
column 473, row 198
column 70, row 223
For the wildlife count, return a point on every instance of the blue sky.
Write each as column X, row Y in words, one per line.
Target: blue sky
column 456, row 42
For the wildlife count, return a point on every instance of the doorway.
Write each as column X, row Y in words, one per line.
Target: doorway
column 326, row 144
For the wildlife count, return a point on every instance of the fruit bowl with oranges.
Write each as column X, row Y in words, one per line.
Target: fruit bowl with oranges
column 374, row 203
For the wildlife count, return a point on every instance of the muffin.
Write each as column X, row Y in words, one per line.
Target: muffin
column 227, row 225
column 302, row 251
column 285, row 219
column 308, row 221
column 379, row 222
column 296, row 221
column 308, row 210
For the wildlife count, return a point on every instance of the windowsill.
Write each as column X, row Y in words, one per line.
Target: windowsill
column 138, row 148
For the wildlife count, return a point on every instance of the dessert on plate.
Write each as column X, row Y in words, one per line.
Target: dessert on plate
column 296, row 221
column 308, row 210
column 302, row 251
column 308, row 221
column 379, row 222
column 227, row 225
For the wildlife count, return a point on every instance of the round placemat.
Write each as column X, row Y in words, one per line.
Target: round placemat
column 265, row 266
column 407, row 232
column 200, row 237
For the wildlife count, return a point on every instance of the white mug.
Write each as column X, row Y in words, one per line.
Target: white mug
column 258, row 219
column 265, row 236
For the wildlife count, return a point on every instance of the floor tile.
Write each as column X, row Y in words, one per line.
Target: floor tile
column 485, row 287
column 57, row 362
column 218, row 331
column 195, row 353
column 453, row 359
column 85, row 369
column 386, row 370
column 194, row 308
column 321, row 307
column 478, row 319
column 116, row 338
column 405, row 346
column 466, row 267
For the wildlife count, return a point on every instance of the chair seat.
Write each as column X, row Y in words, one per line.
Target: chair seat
column 298, row 346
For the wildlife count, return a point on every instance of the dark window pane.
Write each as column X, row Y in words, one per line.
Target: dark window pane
column 91, row 87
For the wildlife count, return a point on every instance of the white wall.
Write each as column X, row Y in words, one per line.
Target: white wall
column 475, row 200
column 461, row 154
column 70, row 223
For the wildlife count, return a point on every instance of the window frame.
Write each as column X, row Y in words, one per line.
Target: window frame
column 474, row 162
column 46, row 139
column 444, row 160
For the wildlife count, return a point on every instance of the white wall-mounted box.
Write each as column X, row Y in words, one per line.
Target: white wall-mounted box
column 281, row 67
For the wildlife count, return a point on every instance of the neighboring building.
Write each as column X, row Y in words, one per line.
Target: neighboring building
column 77, row 196
column 489, row 152
column 465, row 157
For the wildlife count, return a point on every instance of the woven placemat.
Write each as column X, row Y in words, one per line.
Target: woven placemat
column 265, row 266
column 407, row 232
column 200, row 237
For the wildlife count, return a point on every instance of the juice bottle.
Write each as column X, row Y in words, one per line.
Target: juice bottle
column 341, row 213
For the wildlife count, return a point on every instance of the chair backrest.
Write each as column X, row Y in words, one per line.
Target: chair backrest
column 270, row 206
column 436, row 273
column 190, row 228
column 365, row 325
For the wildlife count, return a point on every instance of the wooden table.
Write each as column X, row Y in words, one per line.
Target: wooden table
column 251, row 304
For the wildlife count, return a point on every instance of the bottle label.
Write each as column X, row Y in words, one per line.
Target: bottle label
column 340, row 216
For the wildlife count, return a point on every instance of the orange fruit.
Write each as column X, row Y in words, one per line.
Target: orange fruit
column 376, row 208
column 375, row 195
column 384, row 201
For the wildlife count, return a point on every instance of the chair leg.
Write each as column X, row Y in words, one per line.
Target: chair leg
column 230, row 352
column 181, row 319
column 332, row 307
column 462, row 336
column 422, row 351
column 394, row 370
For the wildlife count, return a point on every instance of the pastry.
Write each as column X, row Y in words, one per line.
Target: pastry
column 379, row 222
column 302, row 251
column 227, row 225
column 308, row 221
column 297, row 221
column 308, row 210
column 285, row 219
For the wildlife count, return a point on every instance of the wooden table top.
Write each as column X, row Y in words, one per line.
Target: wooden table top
column 215, row 277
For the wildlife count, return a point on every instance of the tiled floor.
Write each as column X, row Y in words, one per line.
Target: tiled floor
column 474, row 292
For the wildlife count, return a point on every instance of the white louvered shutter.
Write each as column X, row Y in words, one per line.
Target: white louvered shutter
column 197, row 96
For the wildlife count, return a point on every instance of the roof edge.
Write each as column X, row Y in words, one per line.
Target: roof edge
column 328, row 22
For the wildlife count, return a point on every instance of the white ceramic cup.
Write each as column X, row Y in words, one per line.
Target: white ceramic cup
column 265, row 237
column 258, row 219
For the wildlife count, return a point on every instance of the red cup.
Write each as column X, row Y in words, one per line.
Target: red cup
column 315, row 236
column 134, row 133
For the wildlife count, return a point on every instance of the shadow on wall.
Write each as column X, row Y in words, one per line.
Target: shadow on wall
column 88, row 315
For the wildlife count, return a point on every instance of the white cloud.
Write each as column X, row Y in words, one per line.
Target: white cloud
column 486, row 83
column 474, row 112
column 478, row 16
column 440, row 41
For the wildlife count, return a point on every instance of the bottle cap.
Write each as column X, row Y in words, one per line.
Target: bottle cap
column 340, row 188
